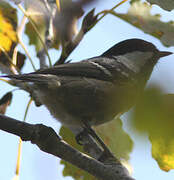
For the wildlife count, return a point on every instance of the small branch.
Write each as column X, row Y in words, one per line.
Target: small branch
column 88, row 20
column 104, row 13
column 42, row 59
column 70, row 47
column 48, row 141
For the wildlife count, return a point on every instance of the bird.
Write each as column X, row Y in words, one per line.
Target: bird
column 97, row 89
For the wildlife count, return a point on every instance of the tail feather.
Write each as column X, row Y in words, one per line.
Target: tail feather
column 38, row 78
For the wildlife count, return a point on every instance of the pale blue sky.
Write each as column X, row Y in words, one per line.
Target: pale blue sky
column 38, row 165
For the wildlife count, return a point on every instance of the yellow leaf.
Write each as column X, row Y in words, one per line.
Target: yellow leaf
column 8, row 25
column 163, row 152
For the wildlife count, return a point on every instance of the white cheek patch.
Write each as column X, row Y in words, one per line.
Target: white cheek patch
column 134, row 60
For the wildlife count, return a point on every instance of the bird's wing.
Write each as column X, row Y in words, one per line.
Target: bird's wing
column 100, row 68
column 87, row 68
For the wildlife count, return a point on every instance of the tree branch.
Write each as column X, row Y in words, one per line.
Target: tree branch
column 48, row 141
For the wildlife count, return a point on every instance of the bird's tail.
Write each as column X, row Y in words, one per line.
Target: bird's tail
column 37, row 78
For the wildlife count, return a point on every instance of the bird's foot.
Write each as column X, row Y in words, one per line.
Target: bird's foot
column 107, row 154
column 79, row 137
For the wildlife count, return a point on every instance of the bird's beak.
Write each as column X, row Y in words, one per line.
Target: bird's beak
column 164, row 53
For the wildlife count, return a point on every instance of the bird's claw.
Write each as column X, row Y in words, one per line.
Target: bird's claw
column 79, row 137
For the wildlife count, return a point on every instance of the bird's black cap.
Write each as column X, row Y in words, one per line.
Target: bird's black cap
column 132, row 45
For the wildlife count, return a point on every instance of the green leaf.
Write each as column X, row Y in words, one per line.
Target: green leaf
column 139, row 15
column 40, row 16
column 154, row 114
column 113, row 135
column 33, row 37
column 118, row 141
column 165, row 4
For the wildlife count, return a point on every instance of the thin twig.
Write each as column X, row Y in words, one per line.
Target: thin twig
column 37, row 32
column 28, row 55
column 107, row 12
column 58, row 5
column 18, row 157
column 27, row 108
column 7, row 81
column 20, row 141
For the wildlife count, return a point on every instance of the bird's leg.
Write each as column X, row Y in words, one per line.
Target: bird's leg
column 79, row 137
column 107, row 154
column 89, row 144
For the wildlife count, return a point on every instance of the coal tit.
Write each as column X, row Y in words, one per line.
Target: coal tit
column 96, row 90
